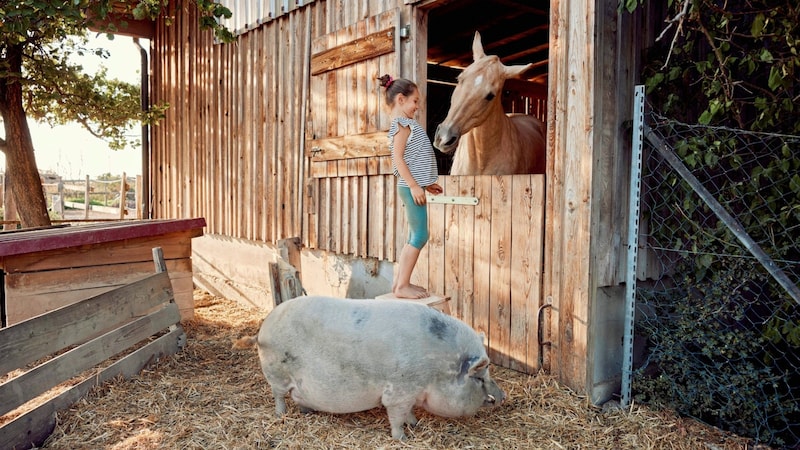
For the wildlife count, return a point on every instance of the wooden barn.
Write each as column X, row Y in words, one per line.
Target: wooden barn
column 278, row 141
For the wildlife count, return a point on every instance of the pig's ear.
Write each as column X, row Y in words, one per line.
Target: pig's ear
column 467, row 363
column 479, row 365
column 482, row 335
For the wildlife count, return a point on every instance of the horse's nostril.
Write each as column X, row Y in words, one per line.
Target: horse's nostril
column 451, row 141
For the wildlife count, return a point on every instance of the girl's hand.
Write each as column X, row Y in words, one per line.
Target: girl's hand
column 419, row 195
column 434, row 189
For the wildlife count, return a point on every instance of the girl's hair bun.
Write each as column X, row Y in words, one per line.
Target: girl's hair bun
column 386, row 81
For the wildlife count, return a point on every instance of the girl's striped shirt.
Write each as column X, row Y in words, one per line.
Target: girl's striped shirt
column 418, row 155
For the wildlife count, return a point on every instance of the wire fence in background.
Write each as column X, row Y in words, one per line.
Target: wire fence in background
column 717, row 299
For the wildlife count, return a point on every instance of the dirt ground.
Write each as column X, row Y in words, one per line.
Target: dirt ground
column 210, row 396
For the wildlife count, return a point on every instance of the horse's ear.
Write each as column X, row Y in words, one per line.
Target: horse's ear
column 516, row 71
column 477, row 47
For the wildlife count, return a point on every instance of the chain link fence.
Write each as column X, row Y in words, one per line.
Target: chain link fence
column 717, row 303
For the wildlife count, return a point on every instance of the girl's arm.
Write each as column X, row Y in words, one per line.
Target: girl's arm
column 400, row 139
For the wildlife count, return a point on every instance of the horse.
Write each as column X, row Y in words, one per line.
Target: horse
column 485, row 139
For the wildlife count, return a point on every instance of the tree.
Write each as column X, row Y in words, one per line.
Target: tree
column 37, row 80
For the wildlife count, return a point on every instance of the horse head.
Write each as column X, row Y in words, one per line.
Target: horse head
column 476, row 96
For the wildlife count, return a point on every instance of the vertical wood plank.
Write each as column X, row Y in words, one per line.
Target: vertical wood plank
column 325, row 214
column 526, row 261
column 363, row 211
column 390, row 230
column 500, row 283
column 466, row 257
column 347, row 207
column 436, row 247
column 482, row 256
column 259, row 85
column 248, row 141
column 452, row 246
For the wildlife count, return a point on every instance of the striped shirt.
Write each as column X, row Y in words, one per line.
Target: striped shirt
column 418, row 155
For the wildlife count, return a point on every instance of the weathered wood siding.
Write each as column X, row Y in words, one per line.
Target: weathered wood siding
column 488, row 258
column 352, row 205
column 232, row 147
column 229, row 147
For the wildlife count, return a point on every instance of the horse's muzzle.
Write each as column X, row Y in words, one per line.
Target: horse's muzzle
column 444, row 140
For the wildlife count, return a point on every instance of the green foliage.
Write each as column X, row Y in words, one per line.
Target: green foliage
column 723, row 343
column 734, row 64
column 57, row 91
column 726, row 340
column 710, row 356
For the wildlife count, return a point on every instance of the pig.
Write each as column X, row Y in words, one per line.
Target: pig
column 347, row 355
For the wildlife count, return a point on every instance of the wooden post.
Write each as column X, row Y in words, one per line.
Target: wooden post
column 138, row 196
column 60, row 208
column 158, row 260
column 86, row 199
column 123, row 197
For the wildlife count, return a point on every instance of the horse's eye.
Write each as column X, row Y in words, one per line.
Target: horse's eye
column 489, row 97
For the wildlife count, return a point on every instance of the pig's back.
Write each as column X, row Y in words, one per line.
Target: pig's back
column 380, row 333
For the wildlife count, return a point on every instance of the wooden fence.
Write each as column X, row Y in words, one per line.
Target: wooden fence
column 115, row 192
column 92, row 330
column 487, row 258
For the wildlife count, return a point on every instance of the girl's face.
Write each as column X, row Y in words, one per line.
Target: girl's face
column 409, row 105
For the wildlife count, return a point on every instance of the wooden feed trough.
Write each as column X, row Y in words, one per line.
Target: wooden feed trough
column 45, row 269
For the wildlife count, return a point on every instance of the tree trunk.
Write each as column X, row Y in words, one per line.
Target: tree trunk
column 25, row 184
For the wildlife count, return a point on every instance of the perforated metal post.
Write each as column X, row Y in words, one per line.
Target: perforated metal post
column 633, row 243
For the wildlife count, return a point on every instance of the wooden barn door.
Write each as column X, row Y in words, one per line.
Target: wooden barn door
column 350, row 193
column 488, row 259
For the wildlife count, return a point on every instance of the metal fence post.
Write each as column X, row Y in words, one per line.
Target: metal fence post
column 633, row 243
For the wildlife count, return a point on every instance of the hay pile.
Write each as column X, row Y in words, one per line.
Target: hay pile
column 211, row 397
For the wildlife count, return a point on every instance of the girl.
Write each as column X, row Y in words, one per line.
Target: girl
column 415, row 167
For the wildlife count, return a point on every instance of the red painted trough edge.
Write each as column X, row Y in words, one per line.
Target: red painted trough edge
column 22, row 242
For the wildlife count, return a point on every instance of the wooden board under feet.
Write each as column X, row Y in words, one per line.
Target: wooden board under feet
column 439, row 302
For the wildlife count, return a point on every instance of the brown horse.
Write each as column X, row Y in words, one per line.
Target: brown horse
column 485, row 139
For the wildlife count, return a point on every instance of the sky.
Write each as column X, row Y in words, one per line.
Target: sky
column 70, row 150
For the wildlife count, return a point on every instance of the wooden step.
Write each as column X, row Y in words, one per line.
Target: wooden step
column 439, row 302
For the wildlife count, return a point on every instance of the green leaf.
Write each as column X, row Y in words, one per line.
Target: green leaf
column 775, row 78
column 757, row 29
column 794, row 184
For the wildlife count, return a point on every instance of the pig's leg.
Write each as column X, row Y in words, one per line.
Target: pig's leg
column 399, row 415
column 279, row 394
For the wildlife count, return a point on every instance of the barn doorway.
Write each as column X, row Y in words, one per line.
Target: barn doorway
column 488, row 255
column 515, row 30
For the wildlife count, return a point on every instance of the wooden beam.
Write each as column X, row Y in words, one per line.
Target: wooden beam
column 345, row 147
column 357, row 50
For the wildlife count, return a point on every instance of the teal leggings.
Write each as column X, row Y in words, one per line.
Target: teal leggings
column 417, row 216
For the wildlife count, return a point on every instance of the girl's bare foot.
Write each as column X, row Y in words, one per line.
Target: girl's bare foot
column 410, row 291
column 421, row 289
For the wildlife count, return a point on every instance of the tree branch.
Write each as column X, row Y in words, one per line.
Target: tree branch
column 723, row 70
column 678, row 18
